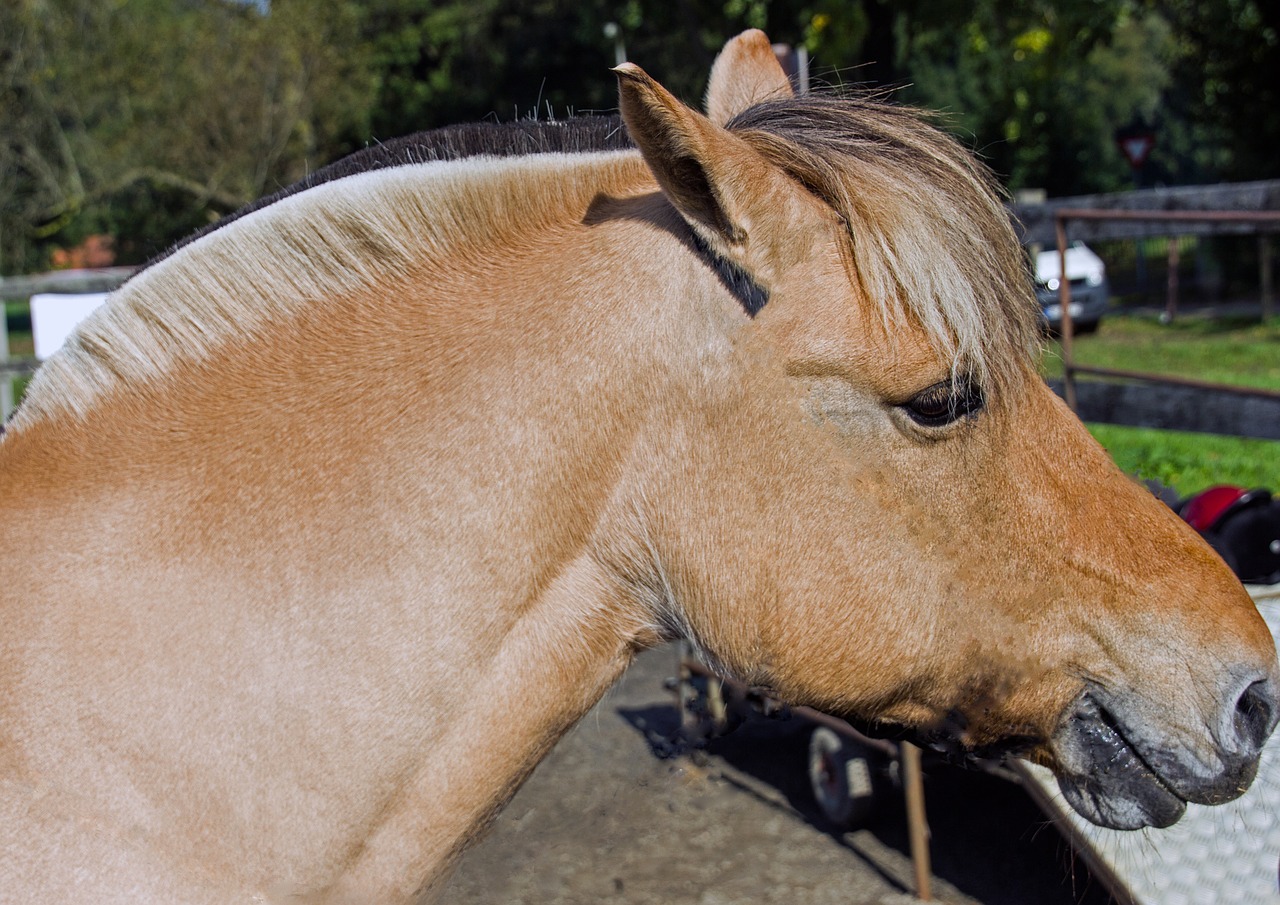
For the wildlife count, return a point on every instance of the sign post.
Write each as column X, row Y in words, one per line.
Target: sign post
column 1136, row 144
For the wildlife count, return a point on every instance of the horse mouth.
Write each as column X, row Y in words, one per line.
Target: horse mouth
column 1104, row 776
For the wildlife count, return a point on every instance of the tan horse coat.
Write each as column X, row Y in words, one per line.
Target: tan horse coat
column 332, row 523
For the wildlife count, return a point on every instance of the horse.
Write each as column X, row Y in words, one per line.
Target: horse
column 326, row 526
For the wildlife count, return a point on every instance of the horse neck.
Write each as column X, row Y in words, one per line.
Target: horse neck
column 441, row 530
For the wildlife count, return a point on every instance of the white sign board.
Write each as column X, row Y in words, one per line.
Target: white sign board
column 55, row 315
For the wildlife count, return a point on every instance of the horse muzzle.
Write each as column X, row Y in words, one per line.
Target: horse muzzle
column 1119, row 767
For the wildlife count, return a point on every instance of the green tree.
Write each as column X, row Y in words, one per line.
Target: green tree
column 144, row 118
column 1226, row 75
column 1020, row 78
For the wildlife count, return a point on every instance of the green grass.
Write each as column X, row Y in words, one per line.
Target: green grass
column 1225, row 350
column 1191, row 462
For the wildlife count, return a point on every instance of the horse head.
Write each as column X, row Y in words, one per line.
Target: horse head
column 885, row 511
column 282, row 628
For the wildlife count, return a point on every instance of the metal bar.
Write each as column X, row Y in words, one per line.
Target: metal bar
column 1081, row 213
column 683, row 690
column 1064, row 306
column 19, row 366
column 716, row 706
column 697, row 667
column 1171, row 285
column 814, row 716
column 838, row 725
column 917, row 821
column 65, row 281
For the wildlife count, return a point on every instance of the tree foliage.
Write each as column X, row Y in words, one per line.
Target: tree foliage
column 1226, row 76
column 146, row 118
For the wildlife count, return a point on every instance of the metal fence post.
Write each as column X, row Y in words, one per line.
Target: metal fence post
column 1064, row 304
column 1264, row 275
column 6, row 380
column 1171, row 288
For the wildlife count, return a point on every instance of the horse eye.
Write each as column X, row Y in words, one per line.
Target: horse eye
column 944, row 403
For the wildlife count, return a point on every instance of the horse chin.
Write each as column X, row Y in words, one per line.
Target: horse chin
column 952, row 740
column 1105, row 777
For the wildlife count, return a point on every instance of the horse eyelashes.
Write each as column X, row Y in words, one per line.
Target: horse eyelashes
column 944, row 403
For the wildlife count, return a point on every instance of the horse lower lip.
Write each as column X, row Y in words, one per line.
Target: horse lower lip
column 1121, row 740
column 1112, row 784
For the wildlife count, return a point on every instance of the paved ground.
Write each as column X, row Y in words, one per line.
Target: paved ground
column 606, row 820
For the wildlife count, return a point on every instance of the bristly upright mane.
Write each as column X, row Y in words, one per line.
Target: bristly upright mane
column 515, row 139
column 931, row 239
column 341, row 229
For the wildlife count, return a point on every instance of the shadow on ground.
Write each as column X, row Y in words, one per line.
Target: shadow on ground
column 988, row 839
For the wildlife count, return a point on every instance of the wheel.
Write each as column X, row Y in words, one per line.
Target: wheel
column 843, row 777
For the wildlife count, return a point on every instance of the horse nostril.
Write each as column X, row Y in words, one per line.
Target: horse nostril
column 1254, row 712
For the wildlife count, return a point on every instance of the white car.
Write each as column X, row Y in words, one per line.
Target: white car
column 1090, row 293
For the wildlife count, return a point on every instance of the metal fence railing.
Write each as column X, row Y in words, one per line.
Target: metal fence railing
column 1211, row 407
column 22, row 289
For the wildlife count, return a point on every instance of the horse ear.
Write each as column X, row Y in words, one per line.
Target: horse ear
column 709, row 175
column 745, row 73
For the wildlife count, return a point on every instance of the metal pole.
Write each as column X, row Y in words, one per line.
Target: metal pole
column 613, row 32
column 917, row 821
column 1064, row 305
column 716, row 706
column 6, row 381
column 684, row 687
column 1171, row 292
column 1264, row 274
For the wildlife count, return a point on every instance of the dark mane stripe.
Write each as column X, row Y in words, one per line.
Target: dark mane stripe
column 515, row 139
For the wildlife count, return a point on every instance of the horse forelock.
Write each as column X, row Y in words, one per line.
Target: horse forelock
column 375, row 230
column 931, row 238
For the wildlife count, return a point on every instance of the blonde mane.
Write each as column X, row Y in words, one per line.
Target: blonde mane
column 270, row 265
column 931, row 239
